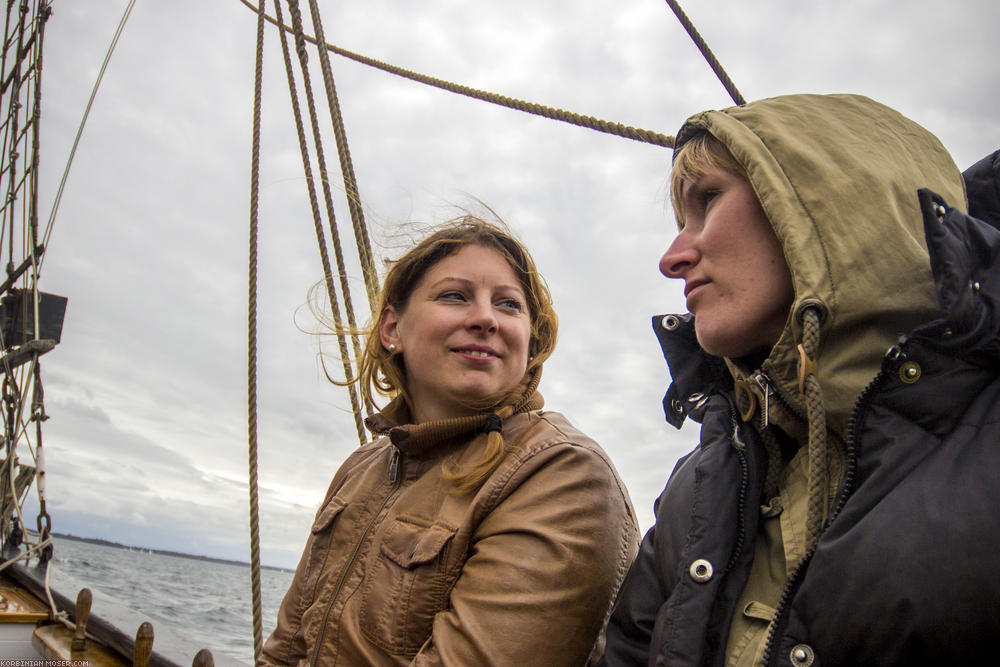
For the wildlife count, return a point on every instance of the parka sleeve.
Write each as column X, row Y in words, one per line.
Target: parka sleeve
column 651, row 578
column 543, row 567
column 630, row 630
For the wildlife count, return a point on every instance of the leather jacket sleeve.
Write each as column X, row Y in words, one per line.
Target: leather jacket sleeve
column 542, row 570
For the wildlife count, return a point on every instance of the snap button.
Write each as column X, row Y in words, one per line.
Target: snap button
column 909, row 372
column 974, row 284
column 802, row 655
column 940, row 210
column 701, row 570
column 670, row 322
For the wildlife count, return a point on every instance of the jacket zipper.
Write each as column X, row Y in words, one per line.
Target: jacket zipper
column 894, row 356
column 741, row 452
column 394, row 479
column 769, row 388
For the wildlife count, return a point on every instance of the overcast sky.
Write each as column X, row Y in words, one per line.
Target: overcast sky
column 147, row 443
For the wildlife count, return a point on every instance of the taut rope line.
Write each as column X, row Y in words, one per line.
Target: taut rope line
column 347, row 169
column 83, row 122
column 608, row 127
column 360, row 231
column 713, row 62
column 258, row 630
column 320, row 236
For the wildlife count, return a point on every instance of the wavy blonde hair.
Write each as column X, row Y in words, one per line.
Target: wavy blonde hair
column 384, row 373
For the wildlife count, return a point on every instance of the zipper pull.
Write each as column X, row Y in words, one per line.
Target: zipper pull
column 394, row 466
column 763, row 383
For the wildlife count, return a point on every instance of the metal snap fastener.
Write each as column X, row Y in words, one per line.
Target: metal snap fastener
column 701, row 570
column 670, row 322
column 940, row 210
column 974, row 285
column 909, row 372
column 802, row 655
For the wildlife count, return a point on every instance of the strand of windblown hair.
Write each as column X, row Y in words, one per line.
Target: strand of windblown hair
column 317, row 222
column 367, row 267
column 607, row 127
column 346, row 166
column 258, row 631
column 713, row 62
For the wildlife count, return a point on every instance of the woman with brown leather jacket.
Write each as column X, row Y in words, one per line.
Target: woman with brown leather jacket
column 476, row 528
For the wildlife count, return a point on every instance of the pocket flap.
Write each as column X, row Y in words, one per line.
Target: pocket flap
column 326, row 516
column 408, row 544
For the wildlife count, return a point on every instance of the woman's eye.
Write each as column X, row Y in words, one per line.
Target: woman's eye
column 451, row 296
column 511, row 304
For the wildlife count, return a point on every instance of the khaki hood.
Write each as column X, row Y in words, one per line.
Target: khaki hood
column 838, row 177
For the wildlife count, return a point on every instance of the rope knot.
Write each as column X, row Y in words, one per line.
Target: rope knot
column 493, row 423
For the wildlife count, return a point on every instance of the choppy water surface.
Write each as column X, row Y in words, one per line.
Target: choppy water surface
column 192, row 603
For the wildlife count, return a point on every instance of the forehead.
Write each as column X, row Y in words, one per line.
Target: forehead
column 474, row 263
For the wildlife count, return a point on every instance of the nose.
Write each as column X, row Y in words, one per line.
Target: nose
column 679, row 257
column 481, row 317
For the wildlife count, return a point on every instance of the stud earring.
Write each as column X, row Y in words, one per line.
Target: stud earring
column 392, row 348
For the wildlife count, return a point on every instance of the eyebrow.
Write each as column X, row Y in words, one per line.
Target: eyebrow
column 465, row 281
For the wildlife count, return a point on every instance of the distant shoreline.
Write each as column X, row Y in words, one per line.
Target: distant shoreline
column 164, row 552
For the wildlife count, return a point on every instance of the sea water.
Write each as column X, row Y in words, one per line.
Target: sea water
column 192, row 603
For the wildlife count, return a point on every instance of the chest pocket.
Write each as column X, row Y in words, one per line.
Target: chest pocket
column 318, row 545
column 406, row 585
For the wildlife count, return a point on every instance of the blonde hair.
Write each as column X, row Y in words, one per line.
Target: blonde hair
column 696, row 156
column 385, row 373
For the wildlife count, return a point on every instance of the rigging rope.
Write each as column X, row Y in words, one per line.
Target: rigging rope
column 346, row 166
column 713, row 62
column 311, row 189
column 83, row 122
column 258, row 631
column 608, row 127
column 351, row 188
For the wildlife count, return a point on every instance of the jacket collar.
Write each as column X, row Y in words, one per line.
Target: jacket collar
column 964, row 253
column 694, row 373
column 427, row 438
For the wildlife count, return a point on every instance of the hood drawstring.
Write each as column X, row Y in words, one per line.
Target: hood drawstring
column 468, row 479
column 812, row 395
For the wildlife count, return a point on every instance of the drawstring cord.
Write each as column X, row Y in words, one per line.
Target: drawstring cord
column 818, row 474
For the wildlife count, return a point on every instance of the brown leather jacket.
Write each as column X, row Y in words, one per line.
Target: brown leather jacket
column 398, row 571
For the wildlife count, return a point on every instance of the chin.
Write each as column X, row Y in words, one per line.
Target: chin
column 723, row 346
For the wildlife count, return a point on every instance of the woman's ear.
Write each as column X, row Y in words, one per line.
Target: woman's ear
column 388, row 330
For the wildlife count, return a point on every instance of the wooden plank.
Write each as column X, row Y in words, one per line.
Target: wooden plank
column 54, row 642
column 17, row 605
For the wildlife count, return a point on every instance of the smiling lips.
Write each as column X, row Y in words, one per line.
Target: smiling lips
column 477, row 352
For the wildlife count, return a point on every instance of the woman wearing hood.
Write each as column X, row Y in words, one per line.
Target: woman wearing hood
column 841, row 354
